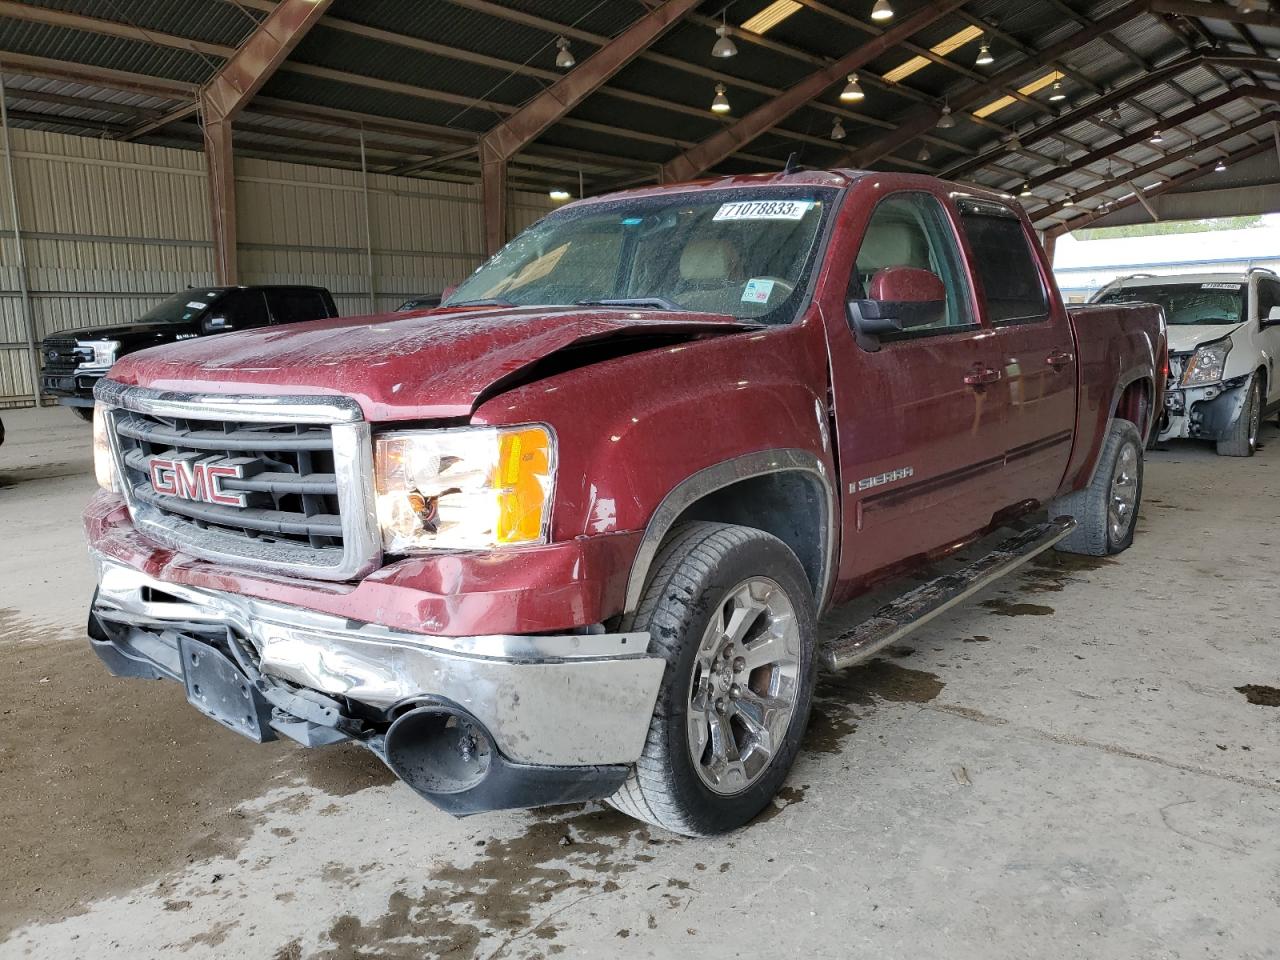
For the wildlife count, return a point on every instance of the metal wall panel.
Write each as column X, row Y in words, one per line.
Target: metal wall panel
column 110, row 228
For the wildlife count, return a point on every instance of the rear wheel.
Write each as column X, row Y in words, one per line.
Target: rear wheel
column 1106, row 511
column 84, row 413
column 1242, row 440
column 731, row 611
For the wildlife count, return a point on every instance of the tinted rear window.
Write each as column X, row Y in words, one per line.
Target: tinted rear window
column 1004, row 262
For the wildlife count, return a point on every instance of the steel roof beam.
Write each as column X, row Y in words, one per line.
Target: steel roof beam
column 1155, row 166
column 724, row 142
column 1181, row 179
column 1215, row 11
column 922, row 120
column 517, row 131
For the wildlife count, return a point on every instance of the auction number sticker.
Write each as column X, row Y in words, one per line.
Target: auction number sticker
column 764, row 210
column 1220, row 286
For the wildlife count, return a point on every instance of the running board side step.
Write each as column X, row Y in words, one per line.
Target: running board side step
column 918, row 606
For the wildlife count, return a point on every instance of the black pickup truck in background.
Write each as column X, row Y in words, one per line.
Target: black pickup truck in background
column 75, row 360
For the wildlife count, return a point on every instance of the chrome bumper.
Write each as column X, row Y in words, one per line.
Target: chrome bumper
column 562, row 700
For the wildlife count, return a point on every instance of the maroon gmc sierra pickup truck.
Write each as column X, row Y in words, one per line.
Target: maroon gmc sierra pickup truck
column 568, row 535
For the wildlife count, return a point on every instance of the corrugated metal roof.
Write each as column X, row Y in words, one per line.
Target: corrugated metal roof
column 517, row 55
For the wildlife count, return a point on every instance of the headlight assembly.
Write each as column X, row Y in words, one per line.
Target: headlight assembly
column 101, row 354
column 1207, row 363
column 472, row 488
column 104, row 463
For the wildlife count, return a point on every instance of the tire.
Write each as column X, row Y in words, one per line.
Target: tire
column 84, row 413
column 1099, row 531
column 700, row 574
column 1242, row 439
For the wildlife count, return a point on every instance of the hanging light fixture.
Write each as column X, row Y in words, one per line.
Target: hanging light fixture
column 1253, row 6
column 923, row 155
column 852, row 91
column 882, row 11
column 1056, row 93
column 837, row 130
column 1026, row 189
column 945, row 120
column 724, row 47
column 1115, row 116
column 564, row 59
column 560, row 195
column 985, row 59
column 1220, row 166
column 1157, row 137
column 720, row 103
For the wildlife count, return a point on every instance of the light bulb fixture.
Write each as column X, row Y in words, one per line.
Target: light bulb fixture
column 560, row 195
column 1253, row 6
column 720, row 103
column 882, row 11
column 852, row 91
column 724, row 47
column 985, row 59
column 1220, row 166
column 1026, row 190
column 1115, row 116
column 945, row 120
column 1056, row 93
column 837, row 130
column 564, row 59
column 1157, row 137
column 923, row 155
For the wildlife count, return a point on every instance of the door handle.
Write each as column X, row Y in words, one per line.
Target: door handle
column 982, row 375
column 1059, row 359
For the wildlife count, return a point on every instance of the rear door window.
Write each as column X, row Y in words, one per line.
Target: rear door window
column 1004, row 262
column 294, row 306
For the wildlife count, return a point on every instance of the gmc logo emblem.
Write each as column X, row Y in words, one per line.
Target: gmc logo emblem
column 191, row 479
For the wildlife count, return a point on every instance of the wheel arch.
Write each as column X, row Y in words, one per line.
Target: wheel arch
column 789, row 493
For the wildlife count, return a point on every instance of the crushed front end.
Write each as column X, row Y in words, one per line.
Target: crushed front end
column 239, row 552
column 1197, row 405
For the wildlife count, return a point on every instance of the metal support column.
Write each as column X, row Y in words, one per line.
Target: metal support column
column 221, row 177
column 493, row 193
column 368, row 229
column 28, row 317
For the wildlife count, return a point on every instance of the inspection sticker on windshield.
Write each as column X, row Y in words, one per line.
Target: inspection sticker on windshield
column 757, row 291
column 764, row 210
column 1219, row 286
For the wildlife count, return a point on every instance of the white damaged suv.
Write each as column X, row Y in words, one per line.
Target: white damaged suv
column 1224, row 337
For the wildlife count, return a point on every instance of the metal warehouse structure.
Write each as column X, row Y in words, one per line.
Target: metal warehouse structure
column 380, row 146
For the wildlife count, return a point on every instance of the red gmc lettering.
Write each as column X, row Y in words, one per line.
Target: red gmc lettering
column 194, row 481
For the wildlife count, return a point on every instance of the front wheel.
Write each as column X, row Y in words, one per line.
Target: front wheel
column 731, row 611
column 84, row 413
column 1242, row 439
column 1106, row 511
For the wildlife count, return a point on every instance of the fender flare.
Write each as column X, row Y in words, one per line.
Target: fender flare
column 724, row 474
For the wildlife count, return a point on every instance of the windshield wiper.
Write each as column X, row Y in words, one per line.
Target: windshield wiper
column 485, row 302
column 652, row 303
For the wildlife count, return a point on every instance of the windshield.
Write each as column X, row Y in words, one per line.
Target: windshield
column 744, row 253
column 1188, row 303
column 181, row 307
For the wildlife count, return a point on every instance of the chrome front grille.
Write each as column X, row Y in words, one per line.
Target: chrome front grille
column 60, row 356
column 295, row 494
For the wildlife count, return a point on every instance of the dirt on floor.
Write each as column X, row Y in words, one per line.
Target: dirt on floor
column 109, row 781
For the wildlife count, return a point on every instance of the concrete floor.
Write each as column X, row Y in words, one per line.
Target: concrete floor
column 1063, row 768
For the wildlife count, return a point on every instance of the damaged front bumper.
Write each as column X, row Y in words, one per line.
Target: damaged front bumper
column 1203, row 413
column 470, row 723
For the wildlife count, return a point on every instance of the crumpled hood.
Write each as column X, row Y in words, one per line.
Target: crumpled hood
column 427, row 366
column 1185, row 337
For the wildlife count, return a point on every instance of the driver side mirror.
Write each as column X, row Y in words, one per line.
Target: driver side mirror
column 898, row 299
column 216, row 325
column 1272, row 318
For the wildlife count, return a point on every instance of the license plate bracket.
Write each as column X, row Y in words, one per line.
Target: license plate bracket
column 220, row 690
